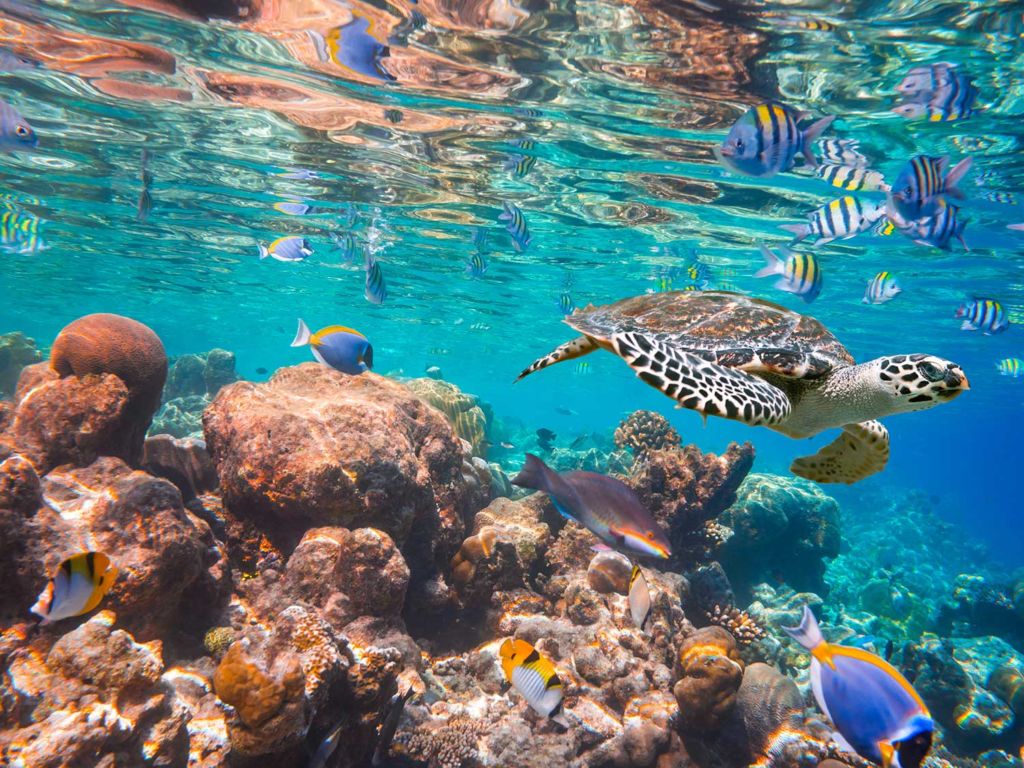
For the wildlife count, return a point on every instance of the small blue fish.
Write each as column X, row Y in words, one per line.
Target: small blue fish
column 299, row 173
column 1005, row 198
column 346, row 243
column 565, row 303
column 582, row 368
column 293, row 207
column 927, row 78
column 476, row 265
column 343, row 349
column 516, row 226
column 518, row 163
column 801, row 273
column 607, row 507
column 938, row 230
column 940, row 93
column 375, row 290
column 921, row 186
column 1011, row 366
column 15, row 132
column 882, row 287
column 766, row 140
column 877, row 713
column 986, row 315
column 292, row 248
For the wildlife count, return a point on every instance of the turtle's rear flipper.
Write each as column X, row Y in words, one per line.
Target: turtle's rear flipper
column 578, row 347
column 702, row 386
column 860, row 451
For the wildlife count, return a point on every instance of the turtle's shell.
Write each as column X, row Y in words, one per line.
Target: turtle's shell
column 725, row 328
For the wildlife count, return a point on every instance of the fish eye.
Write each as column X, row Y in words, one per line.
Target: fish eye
column 908, row 191
column 650, row 535
column 739, row 143
column 21, row 130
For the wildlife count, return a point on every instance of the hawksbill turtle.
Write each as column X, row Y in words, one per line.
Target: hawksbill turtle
column 741, row 358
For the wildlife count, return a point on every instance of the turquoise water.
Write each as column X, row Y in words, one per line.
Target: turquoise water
column 624, row 102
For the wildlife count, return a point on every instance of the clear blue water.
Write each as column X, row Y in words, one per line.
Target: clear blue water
column 624, row 101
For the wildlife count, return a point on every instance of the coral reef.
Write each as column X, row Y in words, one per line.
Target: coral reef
column 782, row 529
column 192, row 381
column 644, row 431
column 16, row 351
column 468, row 416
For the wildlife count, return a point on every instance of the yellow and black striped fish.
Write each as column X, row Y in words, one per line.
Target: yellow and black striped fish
column 986, row 315
column 842, row 218
column 19, row 229
column 78, row 586
column 515, row 223
column 842, row 152
column 1013, row 367
column 534, row 677
column 800, row 273
column 766, row 140
column 851, row 178
column 883, row 287
column 518, row 163
column 923, row 183
column 375, row 290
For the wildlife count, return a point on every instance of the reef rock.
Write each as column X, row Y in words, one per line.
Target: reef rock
column 111, row 344
column 200, row 375
column 185, row 462
column 313, row 447
column 16, row 351
column 686, row 490
column 782, row 527
column 709, row 673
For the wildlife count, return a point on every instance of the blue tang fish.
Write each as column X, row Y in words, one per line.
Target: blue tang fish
column 607, row 507
column 877, row 713
column 15, row 132
column 341, row 348
column 767, row 139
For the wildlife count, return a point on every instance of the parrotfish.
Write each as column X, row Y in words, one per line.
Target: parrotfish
column 15, row 132
column 343, row 349
column 607, row 507
column 841, row 219
column 877, row 713
column 922, row 185
column 78, row 586
column 986, row 315
column 767, row 138
column 291, row 248
column 534, row 676
column 800, row 272
column 639, row 597
column 883, row 287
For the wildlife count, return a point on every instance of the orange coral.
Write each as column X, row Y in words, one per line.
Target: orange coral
column 239, row 682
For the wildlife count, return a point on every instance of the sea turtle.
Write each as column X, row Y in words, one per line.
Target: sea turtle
column 725, row 354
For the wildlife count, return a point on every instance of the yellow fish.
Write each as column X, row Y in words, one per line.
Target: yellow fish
column 534, row 677
column 78, row 586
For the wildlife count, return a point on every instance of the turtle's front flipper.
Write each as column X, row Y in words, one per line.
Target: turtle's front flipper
column 860, row 451
column 695, row 383
column 578, row 347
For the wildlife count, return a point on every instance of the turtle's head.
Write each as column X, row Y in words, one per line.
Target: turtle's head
column 916, row 382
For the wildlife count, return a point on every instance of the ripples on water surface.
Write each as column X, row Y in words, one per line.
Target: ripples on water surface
column 406, row 114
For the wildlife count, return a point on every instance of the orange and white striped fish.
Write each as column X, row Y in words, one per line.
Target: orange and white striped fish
column 534, row 677
column 78, row 586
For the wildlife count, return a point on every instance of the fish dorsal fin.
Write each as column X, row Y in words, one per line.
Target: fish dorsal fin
column 318, row 337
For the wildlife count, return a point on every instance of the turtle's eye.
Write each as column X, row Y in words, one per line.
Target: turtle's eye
column 930, row 371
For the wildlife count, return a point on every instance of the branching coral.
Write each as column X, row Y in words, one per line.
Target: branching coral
column 453, row 745
column 738, row 623
column 644, row 431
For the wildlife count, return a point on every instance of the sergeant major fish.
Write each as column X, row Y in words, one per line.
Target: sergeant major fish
column 607, row 507
column 343, row 349
column 766, row 140
column 375, row 289
column 842, row 218
column 938, row 230
column 800, row 272
column 515, row 223
column 986, row 315
column 534, row 676
column 851, row 178
column 882, row 287
column 1011, row 366
column 346, row 243
column 877, row 713
column 476, row 265
column 842, row 152
column 923, row 183
column 78, row 587
column 518, row 163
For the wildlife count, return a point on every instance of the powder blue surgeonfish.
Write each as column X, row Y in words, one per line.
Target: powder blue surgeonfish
column 15, row 132
column 341, row 348
column 604, row 505
column 876, row 712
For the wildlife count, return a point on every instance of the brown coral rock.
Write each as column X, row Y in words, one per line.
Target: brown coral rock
column 685, row 488
column 104, row 343
column 256, row 694
column 16, row 351
column 609, row 572
column 710, row 672
column 766, row 701
column 287, row 460
column 644, row 431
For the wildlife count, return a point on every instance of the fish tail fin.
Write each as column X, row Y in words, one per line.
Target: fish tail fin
column 264, row 252
column 773, row 267
column 534, row 474
column 960, row 237
column 955, row 175
column 807, row 633
column 812, row 132
column 302, row 335
column 800, row 231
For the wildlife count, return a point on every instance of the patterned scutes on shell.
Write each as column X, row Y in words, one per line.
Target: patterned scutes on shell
column 728, row 328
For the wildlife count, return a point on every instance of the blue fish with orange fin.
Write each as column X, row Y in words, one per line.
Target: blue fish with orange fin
column 876, row 711
column 338, row 347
